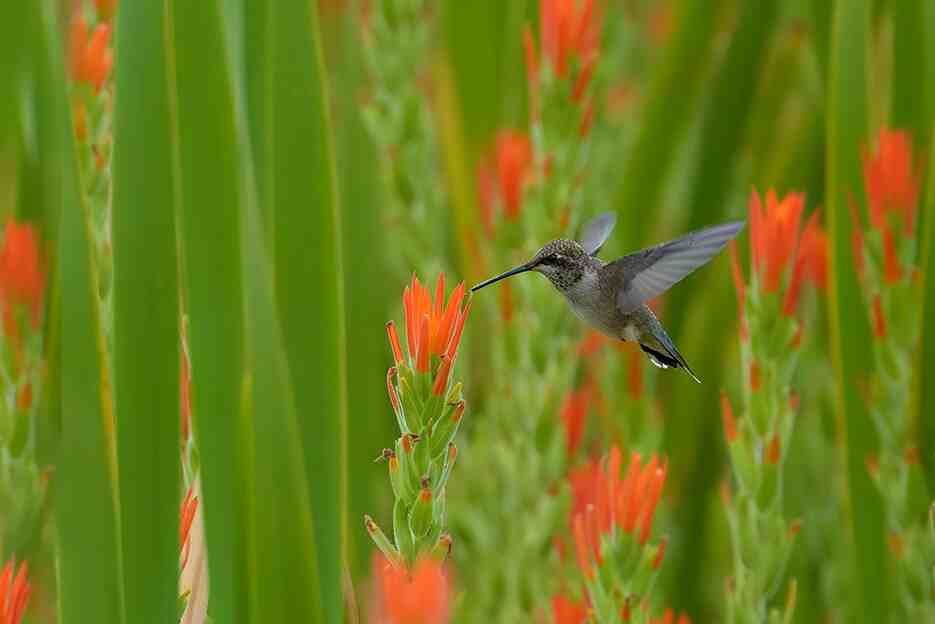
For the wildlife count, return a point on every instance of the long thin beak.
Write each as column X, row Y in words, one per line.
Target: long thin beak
column 520, row 269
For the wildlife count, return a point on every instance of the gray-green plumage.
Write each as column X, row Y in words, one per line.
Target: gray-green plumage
column 612, row 296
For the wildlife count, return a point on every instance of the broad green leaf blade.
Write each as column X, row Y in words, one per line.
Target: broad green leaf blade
column 672, row 95
column 850, row 336
column 367, row 295
column 13, row 16
column 146, row 312
column 300, row 189
column 79, row 391
column 926, row 362
column 909, row 68
column 284, row 567
column 211, row 200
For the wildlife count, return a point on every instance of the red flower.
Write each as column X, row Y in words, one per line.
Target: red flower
column 811, row 263
column 602, row 500
column 570, row 29
column 773, row 235
column 186, row 518
column 92, row 60
column 22, row 281
column 727, row 415
column 503, row 175
column 432, row 328
column 514, row 160
column 574, row 415
column 668, row 617
column 741, row 288
column 568, row 611
column 14, row 592
column 879, row 319
column 417, row 596
column 890, row 181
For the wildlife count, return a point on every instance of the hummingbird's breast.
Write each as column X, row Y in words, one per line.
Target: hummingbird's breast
column 593, row 305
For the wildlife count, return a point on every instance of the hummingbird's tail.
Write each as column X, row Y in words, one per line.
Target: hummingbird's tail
column 665, row 355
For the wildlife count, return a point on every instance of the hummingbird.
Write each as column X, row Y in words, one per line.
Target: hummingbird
column 612, row 296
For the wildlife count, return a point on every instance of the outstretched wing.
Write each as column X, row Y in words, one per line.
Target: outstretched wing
column 650, row 272
column 597, row 231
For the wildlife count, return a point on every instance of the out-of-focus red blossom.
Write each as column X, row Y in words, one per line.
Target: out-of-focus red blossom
column 514, row 162
column 186, row 518
column 105, row 8
column 503, row 175
column 24, row 397
column 417, row 596
column 432, row 328
column 574, row 413
column 569, row 30
column 668, row 617
column 602, row 500
column 14, row 592
column 660, row 23
column 727, row 416
column 568, row 611
column 891, row 183
column 773, row 451
column 741, row 288
column 773, row 235
column 22, row 281
column 90, row 60
column 755, row 376
column 811, row 263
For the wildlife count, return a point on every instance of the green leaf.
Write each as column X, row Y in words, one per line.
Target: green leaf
column 146, row 312
column 84, row 502
column 850, row 335
column 670, row 101
column 926, row 362
column 300, row 191
column 909, row 68
column 367, row 295
column 211, row 202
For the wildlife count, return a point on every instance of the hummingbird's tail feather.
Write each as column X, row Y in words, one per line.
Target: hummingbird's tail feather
column 668, row 356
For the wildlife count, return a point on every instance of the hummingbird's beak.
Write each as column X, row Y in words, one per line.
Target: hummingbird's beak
column 520, row 269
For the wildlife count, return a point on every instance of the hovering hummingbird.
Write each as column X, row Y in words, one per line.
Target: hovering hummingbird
column 612, row 296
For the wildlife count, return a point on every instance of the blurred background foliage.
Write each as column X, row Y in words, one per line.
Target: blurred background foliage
column 230, row 196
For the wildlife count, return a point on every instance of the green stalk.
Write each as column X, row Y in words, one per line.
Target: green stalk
column 362, row 193
column 670, row 101
column 926, row 414
column 84, row 502
column 301, row 194
column 909, row 65
column 211, row 204
column 146, row 311
column 12, row 42
column 850, row 336
column 722, row 133
column 283, row 567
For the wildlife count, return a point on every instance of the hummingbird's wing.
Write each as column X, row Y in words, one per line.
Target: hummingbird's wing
column 597, row 231
column 648, row 273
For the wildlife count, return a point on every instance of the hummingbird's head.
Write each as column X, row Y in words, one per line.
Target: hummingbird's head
column 562, row 261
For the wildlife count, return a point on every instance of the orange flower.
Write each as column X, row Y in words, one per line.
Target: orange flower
column 879, row 319
column 727, row 415
column 186, row 518
column 91, row 61
column 602, row 500
column 773, row 235
column 568, row 611
column 668, row 617
column 890, row 181
column 14, row 592
column 741, row 288
column 22, row 281
column 574, row 415
column 432, row 328
column 502, row 175
column 514, row 163
column 569, row 29
column 417, row 596
column 811, row 263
